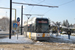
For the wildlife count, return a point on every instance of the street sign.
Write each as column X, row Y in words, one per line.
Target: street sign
column 18, row 23
column 18, row 19
column 14, row 25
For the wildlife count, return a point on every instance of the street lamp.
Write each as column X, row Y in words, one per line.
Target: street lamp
column 27, row 20
column 28, row 16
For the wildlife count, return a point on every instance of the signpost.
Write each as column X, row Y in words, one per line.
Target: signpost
column 14, row 25
column 18, row 23
column 18, row 19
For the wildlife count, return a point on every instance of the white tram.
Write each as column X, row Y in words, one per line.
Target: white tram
column 37, row 28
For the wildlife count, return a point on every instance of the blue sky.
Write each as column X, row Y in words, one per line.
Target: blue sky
column 66, row 9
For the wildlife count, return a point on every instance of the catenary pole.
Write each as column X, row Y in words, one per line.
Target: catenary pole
column 21, row 18
column 10, row 19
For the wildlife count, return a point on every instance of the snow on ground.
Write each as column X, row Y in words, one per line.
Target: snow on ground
column 63, row 38
column 71, row 38
column 21, row 39
column 38, row 43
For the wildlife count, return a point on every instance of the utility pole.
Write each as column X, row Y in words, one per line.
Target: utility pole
column 10, row 19
column 21, row 18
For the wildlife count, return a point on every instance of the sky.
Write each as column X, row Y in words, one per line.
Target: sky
column 65, row 10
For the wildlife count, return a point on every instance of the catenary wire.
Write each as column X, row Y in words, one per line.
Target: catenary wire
column 37, row 3
column 58, row 6
column 66, row 3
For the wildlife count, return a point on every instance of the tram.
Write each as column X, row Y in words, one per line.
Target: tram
column 37, row 29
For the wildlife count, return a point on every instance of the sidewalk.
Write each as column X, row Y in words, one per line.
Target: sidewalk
column 21, row 39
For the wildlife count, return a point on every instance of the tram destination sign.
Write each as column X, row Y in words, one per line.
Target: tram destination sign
column 42, row 21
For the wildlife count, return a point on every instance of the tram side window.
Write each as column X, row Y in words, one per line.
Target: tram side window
column 31, row 28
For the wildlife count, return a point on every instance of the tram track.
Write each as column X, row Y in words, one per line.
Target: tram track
column 52, row 44
column 52, row 40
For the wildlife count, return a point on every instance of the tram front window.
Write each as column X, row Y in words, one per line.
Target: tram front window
column 42, row 27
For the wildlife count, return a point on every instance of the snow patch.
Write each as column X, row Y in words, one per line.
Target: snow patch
column 62, row 38
column 21, row 39
column 38, row 43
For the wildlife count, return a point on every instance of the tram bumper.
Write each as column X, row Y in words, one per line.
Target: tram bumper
column 43, row 38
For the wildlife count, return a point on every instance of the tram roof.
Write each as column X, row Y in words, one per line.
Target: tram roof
column 41, row 18
column 33, row 18
column 36, row 18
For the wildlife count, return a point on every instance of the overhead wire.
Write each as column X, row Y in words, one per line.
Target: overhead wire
column 31, row 9
column 37, row 3
column 58, row 6
column 47, row 11
column 34, row 1
column 41, row 1
column 66, row 3
column 23, row 0
column 51, row 8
